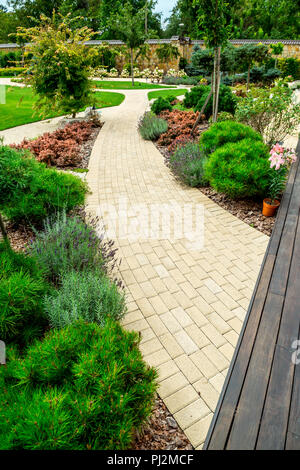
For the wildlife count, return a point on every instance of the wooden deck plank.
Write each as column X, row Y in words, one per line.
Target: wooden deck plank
column 259, row 406
column 245, row 427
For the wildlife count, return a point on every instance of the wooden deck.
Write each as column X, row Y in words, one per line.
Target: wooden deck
column 259, row 407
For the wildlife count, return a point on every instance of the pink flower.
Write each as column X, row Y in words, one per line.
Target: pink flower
column 281, row 157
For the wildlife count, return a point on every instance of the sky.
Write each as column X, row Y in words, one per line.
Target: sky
column 165, row 6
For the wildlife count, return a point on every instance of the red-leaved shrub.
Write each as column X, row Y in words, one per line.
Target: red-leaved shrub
column 180, row 126
column 60, row 148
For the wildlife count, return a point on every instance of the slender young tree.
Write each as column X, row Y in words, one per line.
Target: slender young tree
column 212, row 21
column 276, row 49
column 59, row 70
column 130, row 25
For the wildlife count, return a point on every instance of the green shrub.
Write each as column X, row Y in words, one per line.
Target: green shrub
column 192, row 98
column 86, row 295
column 224, row 116
column 240, row 169
column 22, row 289
column 161, row 104
column 68, row 243
column 151, row 127
column 289, row 66
column 221, row 133
column 29, row 191
column 270, row 111
column 82, row 387
column 227, row 101
column 11, row 71
column 187, row 162
column 197, row 97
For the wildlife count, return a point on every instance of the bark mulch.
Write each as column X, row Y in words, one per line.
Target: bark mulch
column 247, row 210
column 163, row 433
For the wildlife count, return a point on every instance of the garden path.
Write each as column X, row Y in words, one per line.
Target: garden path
column 187, row 301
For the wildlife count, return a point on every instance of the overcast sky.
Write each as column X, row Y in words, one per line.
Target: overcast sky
column 164, row 6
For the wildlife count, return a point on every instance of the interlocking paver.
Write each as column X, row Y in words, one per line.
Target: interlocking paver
column 187, row 303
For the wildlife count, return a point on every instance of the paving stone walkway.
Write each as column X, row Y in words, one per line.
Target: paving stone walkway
column 188, row 302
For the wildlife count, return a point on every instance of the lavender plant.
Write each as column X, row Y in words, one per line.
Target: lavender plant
column 187, row 162
column 70, row 243
column 88, row 295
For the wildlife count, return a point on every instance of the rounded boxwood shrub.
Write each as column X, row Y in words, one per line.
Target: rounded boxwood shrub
column 22, row 289
column 227, row 101
column 192, row 98
column 240, row 169
column 197, row 96
column 161, row 104
column 82, row 387
column 221, row 133
column 29, row 191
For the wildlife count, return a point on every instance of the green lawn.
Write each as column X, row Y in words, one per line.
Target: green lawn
column 18, row 109
column 119, row 85
column 163, row 93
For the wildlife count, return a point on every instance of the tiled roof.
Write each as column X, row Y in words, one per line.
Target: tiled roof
column 176, row 38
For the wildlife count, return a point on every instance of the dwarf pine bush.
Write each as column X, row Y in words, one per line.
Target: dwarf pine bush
column 29, row 191
column 22, row 289
column 82, row 387
column 220, row 133
column 240, row 169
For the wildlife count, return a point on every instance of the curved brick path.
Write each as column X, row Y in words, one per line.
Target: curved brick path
column 188, row 304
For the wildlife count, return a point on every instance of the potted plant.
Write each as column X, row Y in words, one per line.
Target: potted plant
column 281, row 160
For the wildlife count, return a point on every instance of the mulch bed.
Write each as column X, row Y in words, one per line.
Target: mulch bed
column 247, row 210
column 163, row 433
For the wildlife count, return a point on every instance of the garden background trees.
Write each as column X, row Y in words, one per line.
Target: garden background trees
column 249, row 54
column 130, row 25
column 60, row 66
column 250, row 19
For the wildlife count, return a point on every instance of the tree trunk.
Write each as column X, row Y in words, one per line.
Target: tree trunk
column 146, row 17
column 248, row 77
column 201, row 112
column 132, row 73
column 216, row 82
column 4, row 232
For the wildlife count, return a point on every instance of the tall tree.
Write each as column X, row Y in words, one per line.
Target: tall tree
column 130, row 25
column 212, row 22
column 249, row 19
column 109, row 9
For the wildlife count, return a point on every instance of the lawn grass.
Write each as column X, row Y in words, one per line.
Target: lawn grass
column 119, row 85
column 18, row 109
column 163, row 93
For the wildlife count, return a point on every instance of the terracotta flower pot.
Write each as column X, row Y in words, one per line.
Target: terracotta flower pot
column 268, row 208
